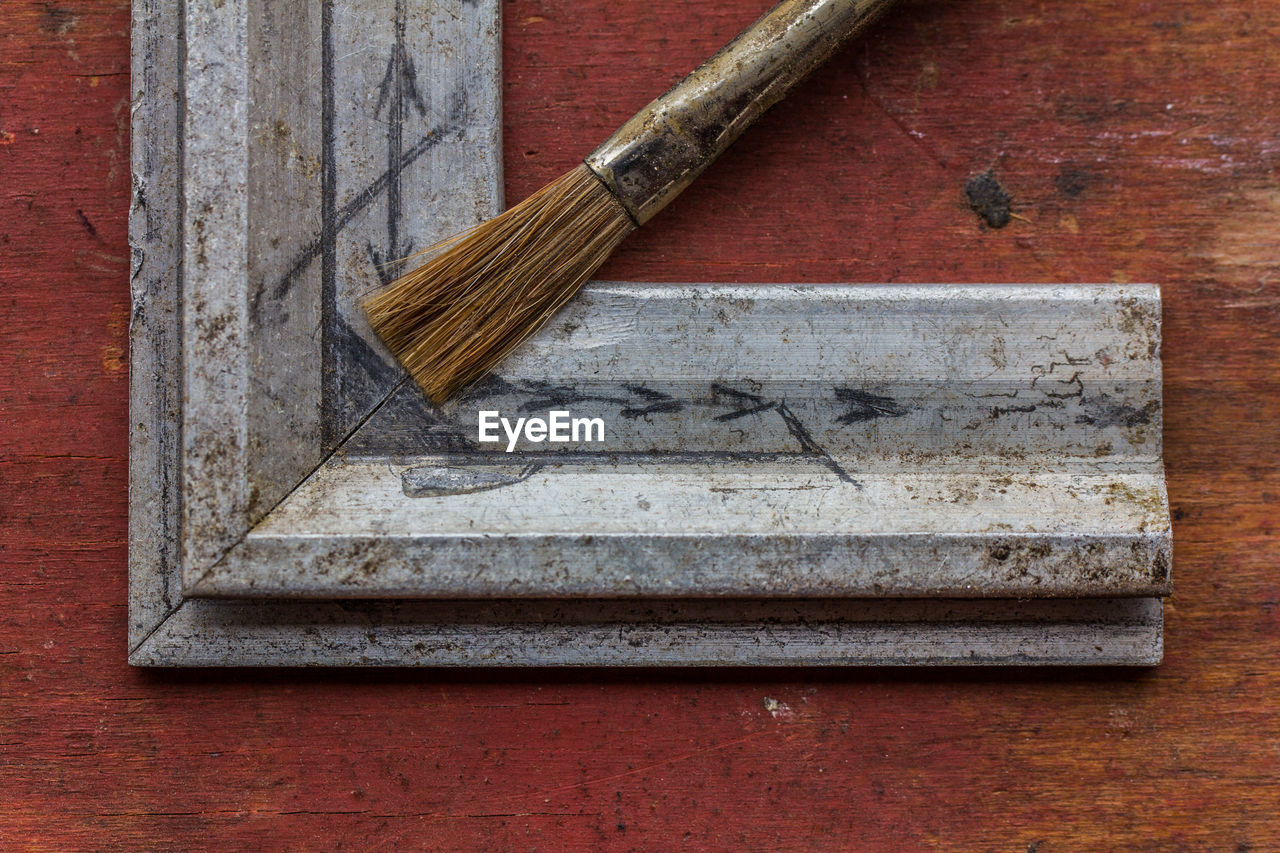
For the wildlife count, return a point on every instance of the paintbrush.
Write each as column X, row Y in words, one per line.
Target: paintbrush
column 480, row 293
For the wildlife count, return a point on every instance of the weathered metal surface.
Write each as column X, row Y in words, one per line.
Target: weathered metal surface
column 316, row 140
column 414, row 117
column 595, row 633
column 928, row 372
column 155, row 329
column 766, row 441
column 666, row 145
column 755, row 529
column 862, row 447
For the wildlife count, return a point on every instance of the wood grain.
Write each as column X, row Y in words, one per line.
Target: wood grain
column 1138, row 143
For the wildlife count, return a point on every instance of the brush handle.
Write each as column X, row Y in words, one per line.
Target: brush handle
column 667, row 144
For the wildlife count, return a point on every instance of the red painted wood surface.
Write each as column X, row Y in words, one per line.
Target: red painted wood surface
column 1139, row 141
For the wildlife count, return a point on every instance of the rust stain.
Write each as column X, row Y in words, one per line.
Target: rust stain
column 113, row 358
column 118, row 321
column 1244, row 249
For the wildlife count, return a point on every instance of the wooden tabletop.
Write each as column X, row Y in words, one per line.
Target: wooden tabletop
column 1135, row 141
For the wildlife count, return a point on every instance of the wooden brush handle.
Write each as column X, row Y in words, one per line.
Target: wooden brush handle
column 667, row 144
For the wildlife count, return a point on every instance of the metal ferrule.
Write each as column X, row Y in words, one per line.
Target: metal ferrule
column 667, row 144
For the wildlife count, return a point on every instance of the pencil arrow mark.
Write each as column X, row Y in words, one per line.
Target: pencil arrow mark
column 314, row 248
column 639, row 401
column 386, row 268
column 399, row 97
column 400, row 82
column 864, row 406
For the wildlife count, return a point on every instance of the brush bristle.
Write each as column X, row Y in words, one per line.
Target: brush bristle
column 482, row 292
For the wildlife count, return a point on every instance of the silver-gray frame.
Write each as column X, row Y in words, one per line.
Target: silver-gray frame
column 986, row 457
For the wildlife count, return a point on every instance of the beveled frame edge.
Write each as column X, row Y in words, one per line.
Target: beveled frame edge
column 1064, row 632
column 158, row 231
column 167, row 630
column 297, row 554
column 262, row 406
column 155, row 390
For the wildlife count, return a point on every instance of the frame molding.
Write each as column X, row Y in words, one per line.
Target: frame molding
column 242, row 413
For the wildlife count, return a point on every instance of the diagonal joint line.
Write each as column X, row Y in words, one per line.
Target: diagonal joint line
column 323, row 461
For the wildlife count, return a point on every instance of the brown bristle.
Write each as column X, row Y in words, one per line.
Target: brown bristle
column 482, row 292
